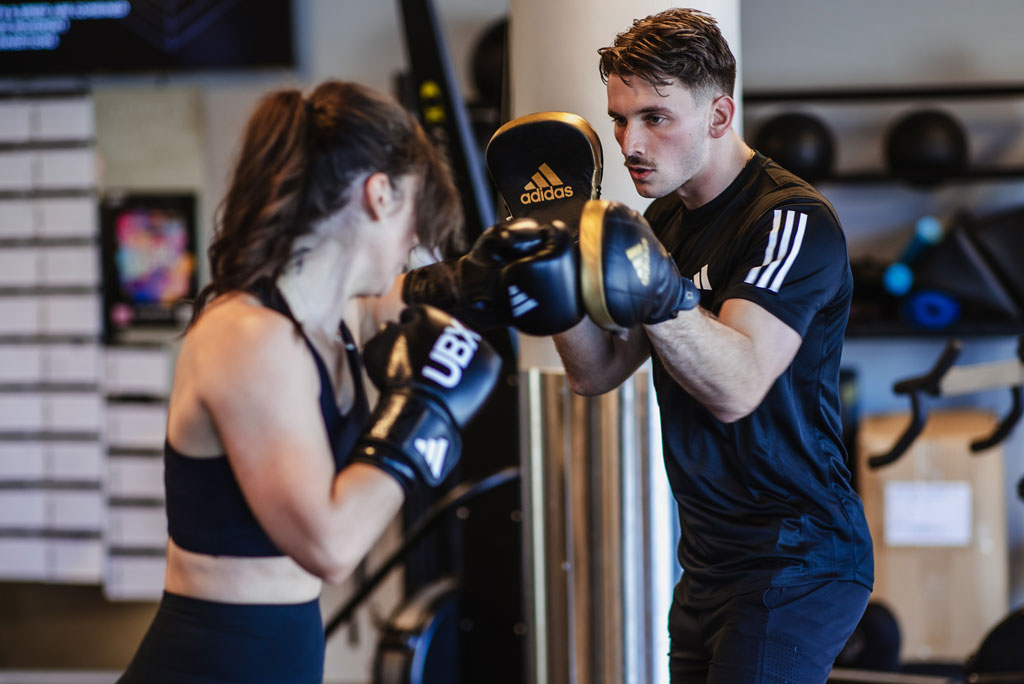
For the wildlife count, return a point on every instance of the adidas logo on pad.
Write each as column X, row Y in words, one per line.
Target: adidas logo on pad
column 545, row 185
column 433, row 452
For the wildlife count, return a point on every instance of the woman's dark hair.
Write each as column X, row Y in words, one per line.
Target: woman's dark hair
column 297, row 164
column 682, row 45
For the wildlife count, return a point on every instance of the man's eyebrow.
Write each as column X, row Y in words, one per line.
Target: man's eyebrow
column 652, row 109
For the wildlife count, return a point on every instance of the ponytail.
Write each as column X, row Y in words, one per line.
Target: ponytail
column 259, row 217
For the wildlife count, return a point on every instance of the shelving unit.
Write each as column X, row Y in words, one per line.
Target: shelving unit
column 974, row 174
column 81, row 423
column 909, row 94
column 137, row 383
column 52, row 469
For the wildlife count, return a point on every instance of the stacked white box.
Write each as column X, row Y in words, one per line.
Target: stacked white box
column 137, row 383
column 53, row 510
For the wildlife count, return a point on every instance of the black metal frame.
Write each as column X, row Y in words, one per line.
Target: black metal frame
column 931, row 383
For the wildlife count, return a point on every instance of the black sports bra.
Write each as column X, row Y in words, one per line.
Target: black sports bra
column 206, row 512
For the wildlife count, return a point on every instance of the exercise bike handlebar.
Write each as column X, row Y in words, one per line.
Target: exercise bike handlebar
column 915, row 387
column 457, row 496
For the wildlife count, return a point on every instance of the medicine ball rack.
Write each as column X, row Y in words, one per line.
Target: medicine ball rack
column 911, row 93
column 970, row 174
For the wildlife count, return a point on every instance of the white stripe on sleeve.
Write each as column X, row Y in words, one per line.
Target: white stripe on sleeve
column 769, row 270
column 793, row 251
column 769, row 251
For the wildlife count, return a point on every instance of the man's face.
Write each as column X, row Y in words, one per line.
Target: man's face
column 663, row 133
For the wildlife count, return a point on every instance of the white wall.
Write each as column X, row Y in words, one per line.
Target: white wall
column 807, row 44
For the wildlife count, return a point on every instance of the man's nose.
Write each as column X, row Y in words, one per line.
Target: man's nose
column 631, row 141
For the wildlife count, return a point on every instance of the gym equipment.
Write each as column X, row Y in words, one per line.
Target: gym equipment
column 434, row 375
column 1000, row 657
column 800, row 143
column 518, row 273
column 627, row 276
column 546, row 166
column 485, row 549
column 999, row 239
column 898, row 277
column 959, row 267
column 875, row 643
column 926, row 147
column 488, row 107
column 420, row 643
column 872, row 303
column 417, row 645
column 945, row 379
column 600, row 532
column 931, row 309
column 441, row 110
column 871, row 655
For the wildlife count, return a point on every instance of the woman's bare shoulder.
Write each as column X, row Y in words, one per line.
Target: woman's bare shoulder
column 237, row 336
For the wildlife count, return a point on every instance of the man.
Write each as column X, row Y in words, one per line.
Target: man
column 775, row 548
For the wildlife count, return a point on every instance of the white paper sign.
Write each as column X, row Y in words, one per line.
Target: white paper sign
column 921, row 513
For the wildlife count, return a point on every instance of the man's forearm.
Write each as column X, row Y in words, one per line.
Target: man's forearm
column 596, row 361
column 728, row 362
column 718, row 365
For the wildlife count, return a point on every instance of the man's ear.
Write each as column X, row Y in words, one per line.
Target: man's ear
column 723, row 109
column 379, row 196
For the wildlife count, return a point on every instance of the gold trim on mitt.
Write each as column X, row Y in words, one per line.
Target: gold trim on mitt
column 592, row 264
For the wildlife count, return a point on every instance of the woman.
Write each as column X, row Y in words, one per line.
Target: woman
column 329, row 194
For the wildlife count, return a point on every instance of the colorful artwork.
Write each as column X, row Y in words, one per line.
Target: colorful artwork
column 149, row 261
column 153, row 260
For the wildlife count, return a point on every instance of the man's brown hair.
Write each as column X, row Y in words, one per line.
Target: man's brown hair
column 681, row 45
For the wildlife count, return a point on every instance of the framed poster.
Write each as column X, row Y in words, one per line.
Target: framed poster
column 149, row 261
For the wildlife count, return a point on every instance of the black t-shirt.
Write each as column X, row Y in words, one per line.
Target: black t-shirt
column 765, row 500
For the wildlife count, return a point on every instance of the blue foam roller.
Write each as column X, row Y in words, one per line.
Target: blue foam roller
column 932, row 310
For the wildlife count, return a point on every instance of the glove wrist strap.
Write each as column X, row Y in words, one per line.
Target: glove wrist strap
column 413, row 437
column 687, row 296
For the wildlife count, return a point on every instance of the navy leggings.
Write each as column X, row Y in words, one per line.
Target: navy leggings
column 202, row 642
column 779, row 635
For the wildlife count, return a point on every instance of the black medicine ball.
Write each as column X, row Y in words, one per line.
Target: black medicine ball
column 926, row 147
column 800, row 143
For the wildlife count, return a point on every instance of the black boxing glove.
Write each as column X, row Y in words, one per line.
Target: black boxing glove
column 627, row 276
column 518, row 273
column 434, row 374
